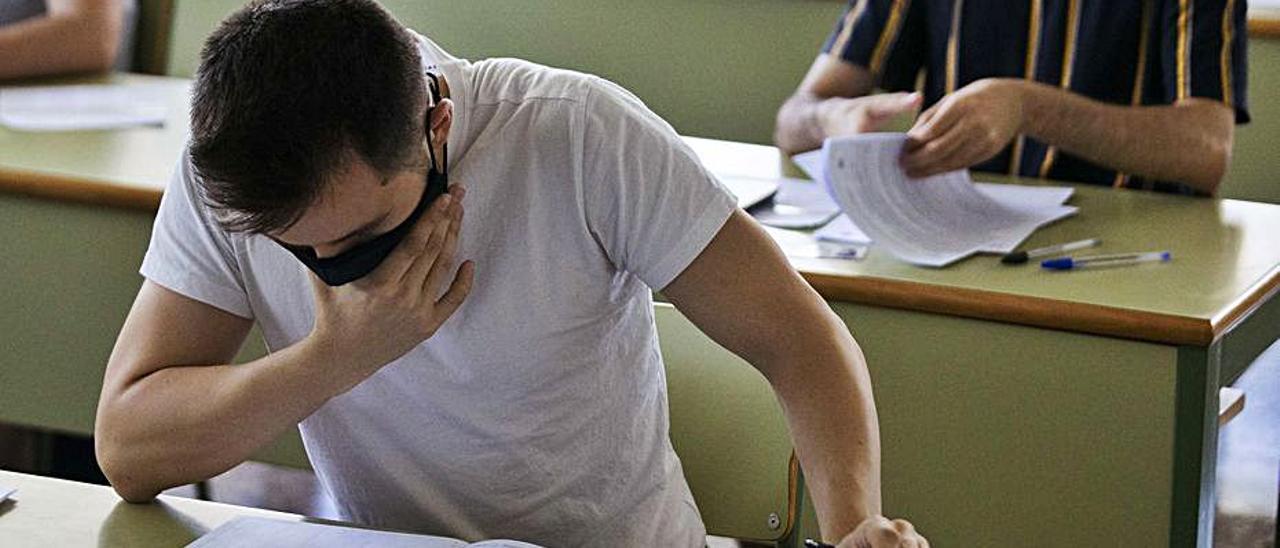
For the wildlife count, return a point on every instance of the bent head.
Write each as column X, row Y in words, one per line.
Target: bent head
column 312, row 123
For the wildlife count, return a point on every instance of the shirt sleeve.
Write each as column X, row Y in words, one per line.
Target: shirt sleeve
column 648, row 200
column 1202, row 52
column 190, row 253
column 887, row 37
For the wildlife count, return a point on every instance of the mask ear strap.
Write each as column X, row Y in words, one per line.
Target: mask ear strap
column 433, row 86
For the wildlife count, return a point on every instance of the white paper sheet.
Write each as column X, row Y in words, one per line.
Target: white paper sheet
column 248, row 532
column 933, row 221
column 799, row 204
column 82, row 107
column 1050, row 198
column 749, row 191
column 842, row 230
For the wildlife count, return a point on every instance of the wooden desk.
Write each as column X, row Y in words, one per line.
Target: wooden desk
column 1019, row 404
column 1014, row 404
column 51, row 512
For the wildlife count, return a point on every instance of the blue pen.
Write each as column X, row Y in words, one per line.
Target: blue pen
column 1102, row 261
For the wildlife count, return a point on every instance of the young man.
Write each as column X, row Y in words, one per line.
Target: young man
column 493, row 377
column 1139, row 94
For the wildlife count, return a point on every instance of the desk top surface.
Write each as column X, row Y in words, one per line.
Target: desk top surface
column 1226, row 252
column 53, row 512
column 127, row 167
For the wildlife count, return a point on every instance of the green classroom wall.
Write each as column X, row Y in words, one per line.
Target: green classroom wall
column 713, row 68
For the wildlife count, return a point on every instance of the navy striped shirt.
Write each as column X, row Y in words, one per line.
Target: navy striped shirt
column 1127, row 52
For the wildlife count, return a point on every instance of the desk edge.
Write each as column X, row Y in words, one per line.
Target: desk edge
column 1017, row 309
column 1259, row 293
column 78, row 189
column 1264, row 24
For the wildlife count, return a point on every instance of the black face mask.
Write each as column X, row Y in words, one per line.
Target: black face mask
column 361, row 259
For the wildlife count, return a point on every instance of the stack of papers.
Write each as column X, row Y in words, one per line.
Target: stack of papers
column 82, row 107
column 933, row 221
column 246, row 532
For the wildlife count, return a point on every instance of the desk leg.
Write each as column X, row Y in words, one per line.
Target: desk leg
column 1195, row 447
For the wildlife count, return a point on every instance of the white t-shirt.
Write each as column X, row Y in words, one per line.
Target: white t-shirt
column 538, row 411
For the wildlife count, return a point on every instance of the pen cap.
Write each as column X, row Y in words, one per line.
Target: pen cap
column 1064, row 263
column 1017, row 257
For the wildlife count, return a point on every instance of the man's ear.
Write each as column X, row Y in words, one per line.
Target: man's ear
column 440, row 121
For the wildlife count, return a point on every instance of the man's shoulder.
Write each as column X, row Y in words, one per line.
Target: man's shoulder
column 518, row 80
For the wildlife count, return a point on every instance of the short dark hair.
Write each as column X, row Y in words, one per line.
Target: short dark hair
column 287, row 91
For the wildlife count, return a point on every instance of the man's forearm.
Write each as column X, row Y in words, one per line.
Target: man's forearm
column 1189, row 142
column 184, row 424
column 825, row 393
column 73, row 42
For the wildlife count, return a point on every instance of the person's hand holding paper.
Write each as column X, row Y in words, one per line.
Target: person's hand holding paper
column 964, row 129
column 933, row 221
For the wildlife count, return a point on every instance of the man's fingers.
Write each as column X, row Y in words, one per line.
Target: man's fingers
column 458, row 291
column 886, row 105
column 319, row 289
column 885, row 536
column 907, row 534
column 928, row 158
column 401, row 258
column 438, row 269
column 935, row 122
column 429, row 252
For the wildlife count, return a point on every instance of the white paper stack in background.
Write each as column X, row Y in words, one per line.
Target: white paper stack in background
column 930, row 222
column 248, row 532
column 82, row 107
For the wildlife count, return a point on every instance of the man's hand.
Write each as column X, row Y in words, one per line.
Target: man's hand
column 965, row 128
column 840, row 117
column 375, row 320
column 879, row 532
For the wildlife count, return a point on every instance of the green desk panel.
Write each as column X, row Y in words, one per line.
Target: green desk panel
column 70, row 276
column 1003, row 435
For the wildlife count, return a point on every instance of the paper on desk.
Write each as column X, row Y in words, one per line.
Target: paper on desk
column 249, row 532
column 799, row 204
column 1048, row 198
column 933, row 221
column 82, row 107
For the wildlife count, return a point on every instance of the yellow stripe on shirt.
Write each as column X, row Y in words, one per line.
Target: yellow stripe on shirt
column 1029, row 74
column 1228, row 29
column 1068, row 61
column 1140, row 71
column 953, row 45
column 889, row 36
column 1184, row 48
column 850, row 21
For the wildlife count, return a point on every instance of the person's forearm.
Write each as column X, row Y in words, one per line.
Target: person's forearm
column 184, row 424
column 799, row 125
column 79, row 41
column 1188, row 143
column 825, row 392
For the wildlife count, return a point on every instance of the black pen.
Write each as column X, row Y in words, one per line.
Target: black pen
column 1020, row 257
column 810, row 543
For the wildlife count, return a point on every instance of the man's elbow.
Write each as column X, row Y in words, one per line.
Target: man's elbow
column 100, row 53
column 790, row 121
column 126, row 477
column 1214, row 167
column 99, row 45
